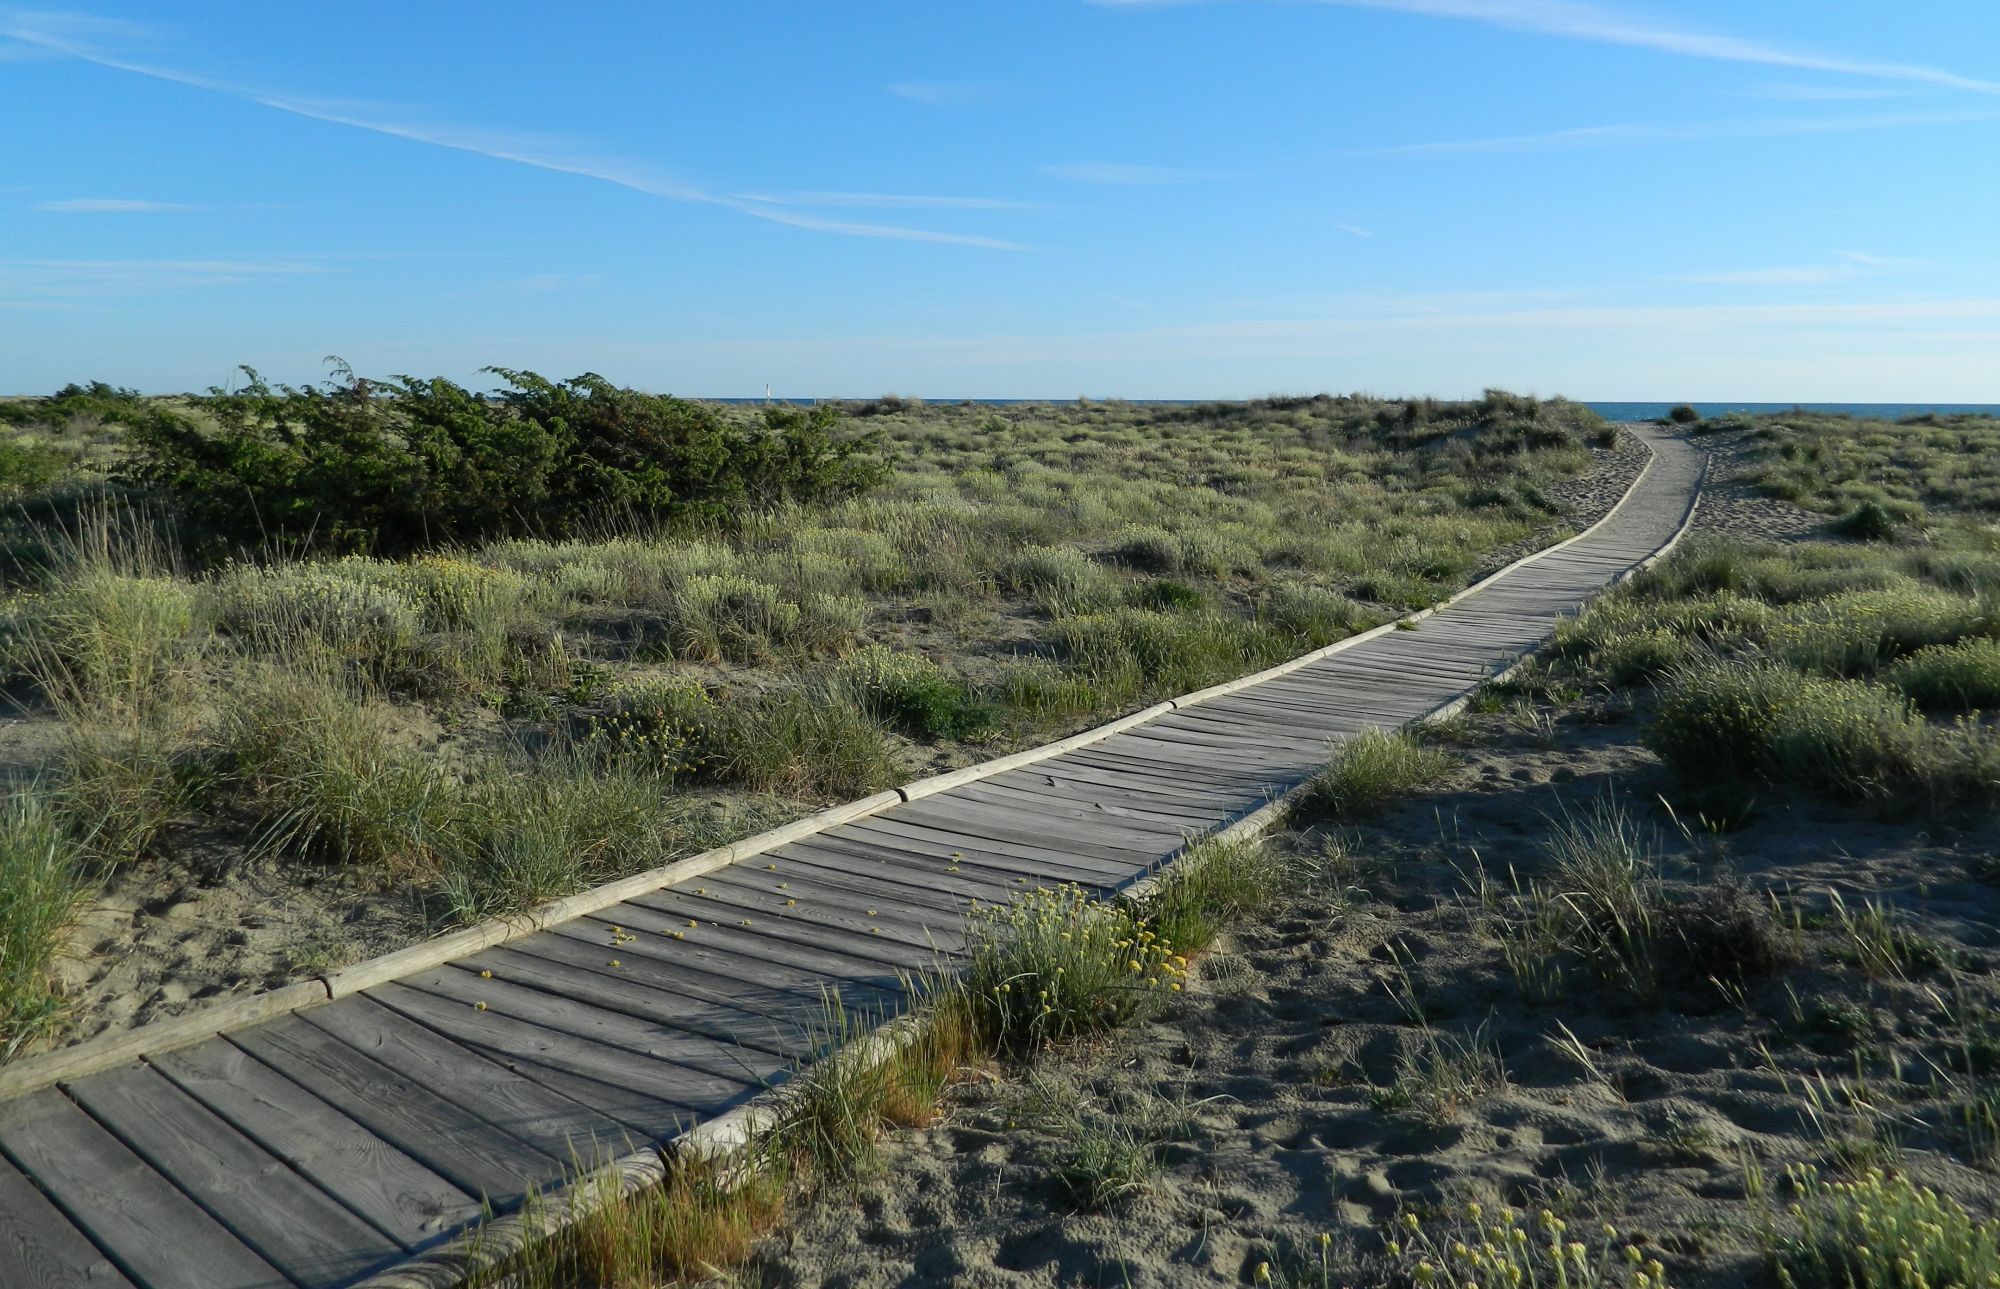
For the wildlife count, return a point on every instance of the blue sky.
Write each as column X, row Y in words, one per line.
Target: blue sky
column 1775, row 200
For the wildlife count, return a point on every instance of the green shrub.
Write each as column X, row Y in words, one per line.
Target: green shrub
column 1855, row 633
column 28, row 467
column 1868, row 522
column 1683, row 414
column 1209, row 885
column 1369, row 772
column 1955, row 677
column 811, row 741
column 1315, row 617
column 100, row 634
column 915, row 695
column 669, row 728
column 729, row 616
column 1881, row 1232
column 1055, row 965
column 41, row 888
column 407, row 464
column 319, row 764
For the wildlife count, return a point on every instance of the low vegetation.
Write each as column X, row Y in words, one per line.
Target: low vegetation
column 658, row 622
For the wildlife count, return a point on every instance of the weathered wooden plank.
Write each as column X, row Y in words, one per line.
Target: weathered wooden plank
column 1014, row 864
column 794, row 894
column 687, row 1068
column 39, row 1247
column 881, row 952
column 471, row 1153
column 953, row 863
column 784, row 958
column 413, row 1204
column 555, row 1125
column 1124, row 806
column 1111, row 841
column 638, row 985
column 1023, row 851
column 288, row 1221
column 942, row 894
column 154, row 1234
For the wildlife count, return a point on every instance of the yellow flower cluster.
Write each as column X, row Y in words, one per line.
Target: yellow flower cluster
column 1887, row 1231
column 1055, row 963
column 1476, row 1249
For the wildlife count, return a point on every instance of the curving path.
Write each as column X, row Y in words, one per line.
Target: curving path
column 344, row 1142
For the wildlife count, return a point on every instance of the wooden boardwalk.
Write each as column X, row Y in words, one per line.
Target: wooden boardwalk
column 328, row 1145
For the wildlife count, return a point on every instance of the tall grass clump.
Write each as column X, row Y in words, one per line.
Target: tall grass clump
column 1950, row 678
column 1856, row 633
column 702, row 1219
column 811, row 741
column 319, row 762
column 1314, row 616
column 42, row 871
column 1054, row 965
column 1165, row 651
column 914, row 694
column 1881, row 1232
column 1209, row 885
column 531, row 829
column 1369, row 772
column 1062, row 580
column 1757, row 719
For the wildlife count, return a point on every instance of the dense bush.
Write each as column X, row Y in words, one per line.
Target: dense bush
column 407, row 464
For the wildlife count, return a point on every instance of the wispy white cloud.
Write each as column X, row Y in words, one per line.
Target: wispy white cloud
column 114, row 206
column 1352, row 231
column 1578, row 20
column 554, row 283
column 949, row 93
column 64, row 35
column 1822, row 93
column 64, row 278
column 886, row 201
column 1635, row 134
column 1119, row 175
column 1846, row 265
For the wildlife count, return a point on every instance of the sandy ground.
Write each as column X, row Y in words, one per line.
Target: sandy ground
column 201, row 920
column 1259, row 1091
column 1263, row 1098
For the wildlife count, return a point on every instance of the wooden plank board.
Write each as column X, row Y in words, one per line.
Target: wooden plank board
column 638, row 986
column 156, row 1235
column 784, row 997
column 687, row 1068
column 413, row 1204
column 942, row 894
column 291, row 1223
column 648, row 1099
column 1111, row 841
column 555, row 1125
column 975, row 873
column 1018, row 863
column 1149, row 792
column 1045, row 792
column 471, row 1153
column 763, row 959
column 873, row 953
column 794, row 894
column 39, row 1247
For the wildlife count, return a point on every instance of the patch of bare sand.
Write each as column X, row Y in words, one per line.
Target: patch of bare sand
column 1265, row 1093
